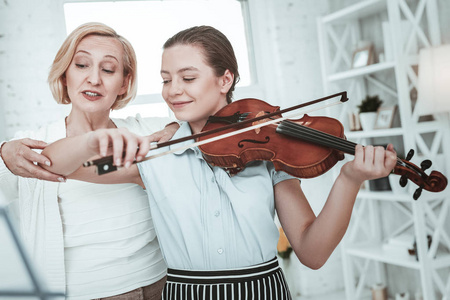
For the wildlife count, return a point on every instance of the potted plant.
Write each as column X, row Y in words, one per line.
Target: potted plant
column 368, row 111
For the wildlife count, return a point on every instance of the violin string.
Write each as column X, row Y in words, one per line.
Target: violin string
column 302, row 131
column 316, row 136
column 304, row 134
column 326, row 139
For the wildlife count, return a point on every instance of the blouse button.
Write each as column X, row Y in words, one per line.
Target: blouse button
column 217, row 213
column 220, row 250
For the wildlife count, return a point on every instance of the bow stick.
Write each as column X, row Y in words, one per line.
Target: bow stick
column 104, row 164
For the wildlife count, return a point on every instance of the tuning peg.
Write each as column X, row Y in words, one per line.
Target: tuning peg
column 425, row 164
column 417, row 193
column 403, row 180
column 410, row 155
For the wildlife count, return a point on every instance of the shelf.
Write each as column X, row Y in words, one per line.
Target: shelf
column 376, row 252
column 370, row 69
column 385, row 196
column 429, row 126
column 339, row 33
column 357, row 11
column 374, row 133
column 441, row 262
column 406, row 196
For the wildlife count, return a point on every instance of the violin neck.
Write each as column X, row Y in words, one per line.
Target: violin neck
column 320, row 138
column 315, row 136
column 435, row 182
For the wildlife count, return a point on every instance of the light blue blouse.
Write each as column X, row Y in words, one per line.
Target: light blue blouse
column 205, row 219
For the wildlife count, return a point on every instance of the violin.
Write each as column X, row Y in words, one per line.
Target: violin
column 304, row 148
column 251, row 130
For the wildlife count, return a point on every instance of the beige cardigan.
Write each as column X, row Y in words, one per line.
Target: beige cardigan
column 33, row 203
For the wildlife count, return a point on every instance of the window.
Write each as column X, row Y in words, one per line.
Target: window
column 148, row 24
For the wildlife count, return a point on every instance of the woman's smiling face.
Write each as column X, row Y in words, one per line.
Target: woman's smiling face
column 190, row 87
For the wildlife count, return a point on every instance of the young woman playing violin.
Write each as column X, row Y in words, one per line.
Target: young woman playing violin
column 217, row 231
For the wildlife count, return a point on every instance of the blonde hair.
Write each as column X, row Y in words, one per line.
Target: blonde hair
column 65, row 54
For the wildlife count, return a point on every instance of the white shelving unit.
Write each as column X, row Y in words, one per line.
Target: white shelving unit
column 383, row 216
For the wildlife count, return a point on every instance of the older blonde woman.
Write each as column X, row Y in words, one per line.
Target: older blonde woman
column 88, row 240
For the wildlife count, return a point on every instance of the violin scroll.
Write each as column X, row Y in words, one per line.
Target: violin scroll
column 435, row 182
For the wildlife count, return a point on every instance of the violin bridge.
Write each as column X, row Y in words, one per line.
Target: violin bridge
column 261, row 113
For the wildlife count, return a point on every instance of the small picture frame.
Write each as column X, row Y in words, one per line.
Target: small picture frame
column 362, row 57
column 385, row 117
column 353, row 121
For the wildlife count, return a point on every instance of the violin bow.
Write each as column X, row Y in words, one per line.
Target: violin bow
column 105, row 164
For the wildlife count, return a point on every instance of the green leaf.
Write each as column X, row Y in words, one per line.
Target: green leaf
column 370, row 104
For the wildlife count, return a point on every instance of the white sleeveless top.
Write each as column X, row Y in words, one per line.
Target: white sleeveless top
column 110, row 244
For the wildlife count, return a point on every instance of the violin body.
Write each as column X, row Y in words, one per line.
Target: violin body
column 294, row 156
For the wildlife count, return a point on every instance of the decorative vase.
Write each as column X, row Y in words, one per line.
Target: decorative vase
column 367, row 120
column 379, row 292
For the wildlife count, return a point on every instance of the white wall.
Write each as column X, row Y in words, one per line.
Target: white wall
column 32, row 31
column 30, row 35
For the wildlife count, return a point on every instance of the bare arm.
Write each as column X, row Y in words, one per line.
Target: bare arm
column 20, row 159
column 69, row 154
column 314, row 239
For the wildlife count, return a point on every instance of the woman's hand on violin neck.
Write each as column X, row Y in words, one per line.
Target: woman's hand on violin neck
column 370, row 162
column 124, row 145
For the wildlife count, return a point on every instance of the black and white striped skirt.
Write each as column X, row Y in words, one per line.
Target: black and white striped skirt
column 263, row 281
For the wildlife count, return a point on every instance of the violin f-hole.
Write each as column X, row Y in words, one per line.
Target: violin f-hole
column 241, row 145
